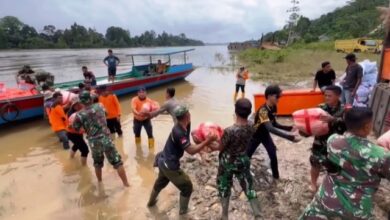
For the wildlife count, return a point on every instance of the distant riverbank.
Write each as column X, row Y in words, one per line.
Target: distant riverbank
column 295, row 63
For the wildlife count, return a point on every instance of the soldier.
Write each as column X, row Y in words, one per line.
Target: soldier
column 93, row 119
column 168, row 161
column 347, row 193
column 333, row 106
column 234, row 161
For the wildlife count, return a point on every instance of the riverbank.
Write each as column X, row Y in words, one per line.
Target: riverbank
column 294, row 64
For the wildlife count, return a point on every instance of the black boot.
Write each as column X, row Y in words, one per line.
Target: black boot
column 184, row 201
column 255, row 205
column 225, row 208
column 153, row 198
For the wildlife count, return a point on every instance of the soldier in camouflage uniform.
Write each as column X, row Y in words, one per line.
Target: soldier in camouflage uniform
column 318, row 157
column 233, row 160
column 348, row 193
column 93, row 120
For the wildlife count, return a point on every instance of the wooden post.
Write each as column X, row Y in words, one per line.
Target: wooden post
column 132, row 60
column 185, row 57
column 150, row 58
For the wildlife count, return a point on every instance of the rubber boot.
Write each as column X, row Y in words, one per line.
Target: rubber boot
column 151, row 143
column 184, row 205
column 255, row 205
column 225, row 208
column 243, row 95
column 235, row 97
column 153, row 199
column 138, row 140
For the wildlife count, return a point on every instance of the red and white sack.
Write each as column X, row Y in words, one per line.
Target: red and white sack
column 207, row 128
column 150, row 107
column 68, row 97
column 71, row 121
column 384, row 140
column 308, row 121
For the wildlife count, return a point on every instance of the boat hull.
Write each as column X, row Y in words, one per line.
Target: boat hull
column 17, row 109
column 32, row 106
column 293, row 100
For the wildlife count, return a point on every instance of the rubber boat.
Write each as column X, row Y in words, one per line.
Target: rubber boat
column 19, row 104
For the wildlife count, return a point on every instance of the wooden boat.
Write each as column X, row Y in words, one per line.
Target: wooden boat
column 293, row 100
column 24, row 107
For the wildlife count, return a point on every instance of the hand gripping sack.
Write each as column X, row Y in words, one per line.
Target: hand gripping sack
column 384, row 140
column 308, row 121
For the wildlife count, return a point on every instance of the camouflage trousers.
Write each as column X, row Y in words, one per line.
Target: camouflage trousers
column 104, row 146
column 316, row 211
column 238, row 167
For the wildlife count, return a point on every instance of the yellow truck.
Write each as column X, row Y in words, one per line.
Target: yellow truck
column 358, row 45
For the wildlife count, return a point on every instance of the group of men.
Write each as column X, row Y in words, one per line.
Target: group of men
column 354, row 165
column 326, row 76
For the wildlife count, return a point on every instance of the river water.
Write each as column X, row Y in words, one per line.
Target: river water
column 39, row 181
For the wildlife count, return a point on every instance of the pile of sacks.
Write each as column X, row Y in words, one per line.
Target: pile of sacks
column 369, row 80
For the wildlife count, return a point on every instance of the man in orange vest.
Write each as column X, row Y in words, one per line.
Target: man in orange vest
column 59, row 120
column 113, row 110
column 140, row 118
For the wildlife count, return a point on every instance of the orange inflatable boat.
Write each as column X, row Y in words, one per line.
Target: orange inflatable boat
column 293, row 100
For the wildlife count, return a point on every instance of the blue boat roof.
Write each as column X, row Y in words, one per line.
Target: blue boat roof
column 163, row 53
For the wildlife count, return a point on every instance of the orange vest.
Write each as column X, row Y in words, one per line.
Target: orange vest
column 58, row 119
column 111, row 104
column 136, row 106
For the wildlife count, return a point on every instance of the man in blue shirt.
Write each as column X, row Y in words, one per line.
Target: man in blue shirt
column 111, row 62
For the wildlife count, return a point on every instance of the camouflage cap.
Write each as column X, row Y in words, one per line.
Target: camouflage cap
column 85, row 97
column 180, row 110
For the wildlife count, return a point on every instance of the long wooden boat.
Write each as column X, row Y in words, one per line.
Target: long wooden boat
column 293, row 100
column 21, row 108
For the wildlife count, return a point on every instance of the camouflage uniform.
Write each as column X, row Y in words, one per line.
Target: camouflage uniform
column 93, row 120
column 348, row 193
column 234, row 161
column 318, row 157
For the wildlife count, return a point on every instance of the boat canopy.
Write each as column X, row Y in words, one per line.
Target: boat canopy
column 153, row 55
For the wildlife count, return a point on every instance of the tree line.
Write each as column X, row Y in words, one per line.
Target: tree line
column 359, row 18
column 16, row 34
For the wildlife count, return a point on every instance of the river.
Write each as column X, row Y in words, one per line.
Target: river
column 39, row 181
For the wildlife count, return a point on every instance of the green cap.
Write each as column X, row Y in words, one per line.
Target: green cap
column 180, row 110
column 85, row 97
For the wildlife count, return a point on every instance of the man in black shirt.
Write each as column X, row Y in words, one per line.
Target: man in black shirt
column 168, row 161
column 324, row 77
column 265, row 123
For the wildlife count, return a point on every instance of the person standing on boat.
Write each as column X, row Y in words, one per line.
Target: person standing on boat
column 169, row 106
column 168, row 160
column 324, row 77
column 89, row 77
column 352, row 80
column 242, row 76
column 140, row 118
column 113, row 109
column 92, row 119
column 111, row 62
column 265, row 124
column 58, row 120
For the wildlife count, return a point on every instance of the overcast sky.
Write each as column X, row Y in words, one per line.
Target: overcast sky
column 207, row 20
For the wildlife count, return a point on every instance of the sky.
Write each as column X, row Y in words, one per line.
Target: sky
column 211, row 21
